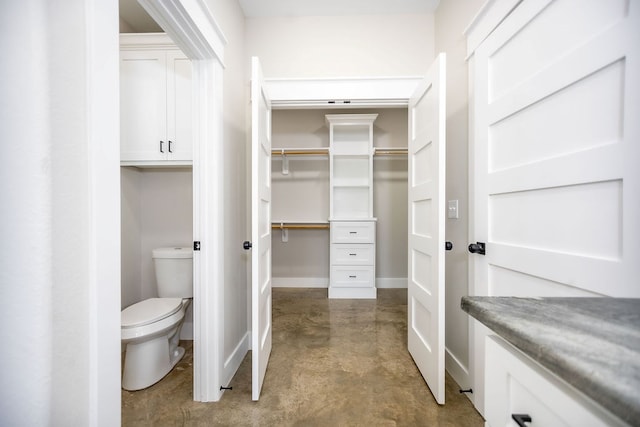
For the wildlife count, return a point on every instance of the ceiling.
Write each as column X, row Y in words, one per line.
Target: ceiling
column 135, row 16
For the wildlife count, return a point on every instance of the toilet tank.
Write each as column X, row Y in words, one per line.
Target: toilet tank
column 174, row 272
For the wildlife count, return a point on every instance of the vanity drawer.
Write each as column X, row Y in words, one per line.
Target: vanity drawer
column 358, row 254
column 353, row 231
column 515, row 384
column 352, row 277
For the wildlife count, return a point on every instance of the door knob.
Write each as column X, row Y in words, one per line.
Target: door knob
column 477, row 248
column 247, row 245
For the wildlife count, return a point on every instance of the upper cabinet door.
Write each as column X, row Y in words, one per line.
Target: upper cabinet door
column 179, row 107
column 143, row 105
column 426, row 196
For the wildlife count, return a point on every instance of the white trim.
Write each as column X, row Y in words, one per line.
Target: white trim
column 323, row 282
column 300, row 282
column 391, row 282
column 103, row 167
column 190, row 24
column 332, row 93
column 147, row 41
column 232, row 363
column 457, row 370
column 490, row 15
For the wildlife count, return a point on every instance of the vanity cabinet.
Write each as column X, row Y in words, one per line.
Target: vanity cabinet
column 517, row 385
column 353, row 227
column 155, row 102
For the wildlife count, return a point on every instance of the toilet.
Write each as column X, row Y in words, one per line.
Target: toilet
column 150, row 329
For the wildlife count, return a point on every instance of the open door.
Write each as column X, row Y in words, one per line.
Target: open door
column 260, row 228
column 425, row 326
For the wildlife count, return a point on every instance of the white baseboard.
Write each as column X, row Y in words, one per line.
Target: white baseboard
column 391, row 282
column 457, row 370
column 323, row 282
column 300, row 282
column 233, row 362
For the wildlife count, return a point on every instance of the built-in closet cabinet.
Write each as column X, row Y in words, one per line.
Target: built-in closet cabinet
column 353, row 227
column 155, row 102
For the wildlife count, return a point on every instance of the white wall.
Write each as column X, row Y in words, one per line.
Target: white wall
column 60, row 268
column 230, row 17
column 451, row 18
column 156, row 212
column 303, row 195
column 334, row 46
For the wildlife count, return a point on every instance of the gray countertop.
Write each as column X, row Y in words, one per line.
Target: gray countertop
column 591, row 343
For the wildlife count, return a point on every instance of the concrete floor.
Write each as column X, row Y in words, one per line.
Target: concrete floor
column 333, row 363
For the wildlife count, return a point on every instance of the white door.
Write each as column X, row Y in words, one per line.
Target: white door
column 556, row 182
column 260, row 228
column 426, row 227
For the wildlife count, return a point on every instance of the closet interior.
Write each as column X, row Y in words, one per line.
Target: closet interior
column 313, row 194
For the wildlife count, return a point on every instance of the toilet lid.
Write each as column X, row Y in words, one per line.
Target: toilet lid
column 149, row 311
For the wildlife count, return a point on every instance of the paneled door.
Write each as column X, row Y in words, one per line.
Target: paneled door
column 260, row 229
column 556, row 184
column 425, row 329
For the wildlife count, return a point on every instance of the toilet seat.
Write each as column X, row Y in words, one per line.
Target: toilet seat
column 149, row 311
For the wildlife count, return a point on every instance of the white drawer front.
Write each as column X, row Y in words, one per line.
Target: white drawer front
column 345, row 254
column 514, row 384
column 352, row 277
column 353, row 232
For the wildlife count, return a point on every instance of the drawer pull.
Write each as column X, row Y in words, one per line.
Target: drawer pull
column 353, row 232
column 352, row 254
column 521, row 419
column 352, row 277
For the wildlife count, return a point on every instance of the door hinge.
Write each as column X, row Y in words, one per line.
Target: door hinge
column 196, row 246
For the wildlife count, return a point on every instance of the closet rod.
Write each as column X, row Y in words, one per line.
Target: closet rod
column 278, row 226
column 294, row 152
column 391, row 151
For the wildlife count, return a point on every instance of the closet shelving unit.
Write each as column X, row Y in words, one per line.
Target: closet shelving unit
column 351, row 222
column 353, row 227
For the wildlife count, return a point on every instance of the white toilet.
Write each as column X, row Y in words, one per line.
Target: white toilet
column 150, row 329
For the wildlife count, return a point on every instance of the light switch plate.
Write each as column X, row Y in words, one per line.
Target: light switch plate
column 452, row 209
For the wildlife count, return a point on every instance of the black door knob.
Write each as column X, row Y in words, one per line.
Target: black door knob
column 477, row 248
column 246, row 245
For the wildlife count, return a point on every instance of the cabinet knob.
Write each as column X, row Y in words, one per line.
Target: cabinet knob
column 448, row 246
column 246, row 245
column 521, row 419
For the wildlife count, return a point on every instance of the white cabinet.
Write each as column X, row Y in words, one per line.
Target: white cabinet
column 353, row 227
column 155, row 102
column 515, row 384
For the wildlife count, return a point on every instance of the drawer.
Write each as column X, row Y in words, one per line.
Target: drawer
column 352, row 277
column 353, row 231
column 515, row 384
column 350, row 254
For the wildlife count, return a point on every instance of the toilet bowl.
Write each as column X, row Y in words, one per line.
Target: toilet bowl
column 150, row 329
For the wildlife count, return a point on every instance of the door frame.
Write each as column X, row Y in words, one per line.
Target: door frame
column 192, row 27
